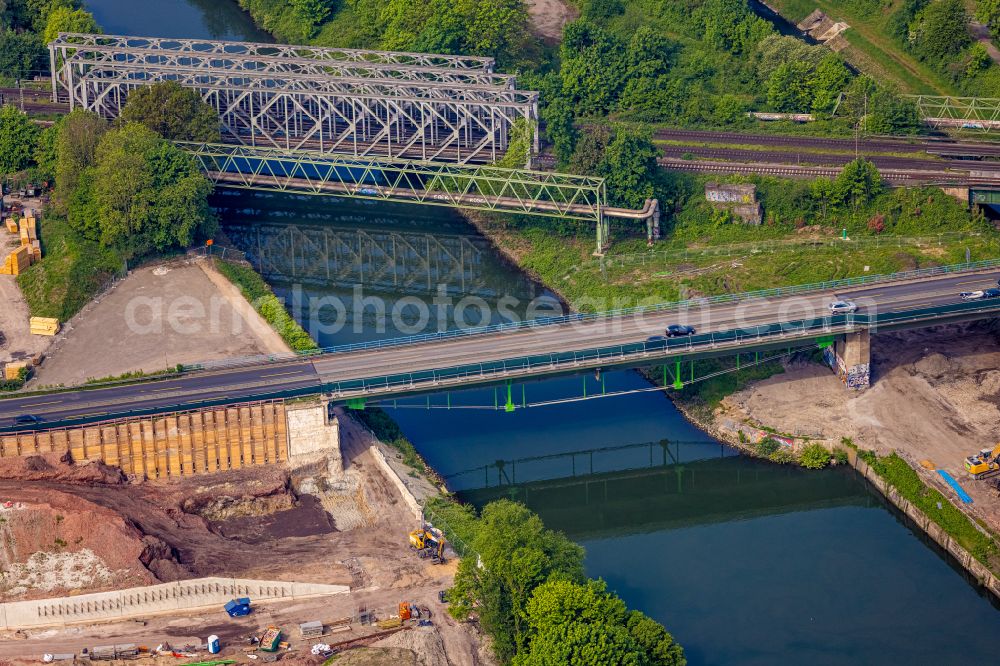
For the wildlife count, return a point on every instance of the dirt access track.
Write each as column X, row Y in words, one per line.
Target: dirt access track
column 82, row 528
column 935, row 397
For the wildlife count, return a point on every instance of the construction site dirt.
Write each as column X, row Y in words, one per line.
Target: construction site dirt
column 934, row 399
column 298, row 522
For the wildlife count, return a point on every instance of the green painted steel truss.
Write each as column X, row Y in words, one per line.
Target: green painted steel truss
column 979, row 113
column 485, row 188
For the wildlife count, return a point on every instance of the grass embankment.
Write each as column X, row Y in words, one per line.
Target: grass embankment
column 72, row 271
column 259, row 295
column 798, row 243
column 935, row 506
column 389, row 432
column 870, row 48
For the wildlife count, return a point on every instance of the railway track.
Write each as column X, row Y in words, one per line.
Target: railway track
column 893, row 176
column 822, row 159
column 813, row 143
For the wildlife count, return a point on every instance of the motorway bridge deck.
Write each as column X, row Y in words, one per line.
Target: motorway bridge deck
column 516, row 352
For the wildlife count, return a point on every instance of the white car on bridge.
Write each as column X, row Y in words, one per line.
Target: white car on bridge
column 972, row 295
column 842, row 307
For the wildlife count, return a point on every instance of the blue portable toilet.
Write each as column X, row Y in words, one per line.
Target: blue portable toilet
column 214, row 646
column 238, row 607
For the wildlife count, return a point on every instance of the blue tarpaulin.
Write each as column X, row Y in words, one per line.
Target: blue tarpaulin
column 950, row 480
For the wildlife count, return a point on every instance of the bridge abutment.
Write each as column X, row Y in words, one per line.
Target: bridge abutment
column 850, row 357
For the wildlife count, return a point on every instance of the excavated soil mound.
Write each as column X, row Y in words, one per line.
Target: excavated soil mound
column 52, row 542
column 59, row 467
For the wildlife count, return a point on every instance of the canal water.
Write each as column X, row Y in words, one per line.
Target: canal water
column 744, row 562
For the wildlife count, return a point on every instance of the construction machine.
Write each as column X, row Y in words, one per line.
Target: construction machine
column 984, row 464
column 428, row 543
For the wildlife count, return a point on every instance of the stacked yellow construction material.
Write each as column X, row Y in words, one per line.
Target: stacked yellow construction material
column 11, row 225
column 43, row 326
column 13, row 370
column 17, row 262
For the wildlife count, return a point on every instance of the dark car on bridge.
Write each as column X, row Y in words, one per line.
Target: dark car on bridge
column 26, row 419
column 656, row 342
column 677, row 330
column 991, row 293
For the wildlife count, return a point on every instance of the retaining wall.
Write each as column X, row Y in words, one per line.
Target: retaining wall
column 985, row 577
column 182, row 596
column 170, row 445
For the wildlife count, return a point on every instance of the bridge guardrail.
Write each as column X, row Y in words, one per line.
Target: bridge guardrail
column 639, row 350
column 576, row 317
column 694, row 343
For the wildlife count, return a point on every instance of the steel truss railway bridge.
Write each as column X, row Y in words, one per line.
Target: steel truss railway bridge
column 345, row 101
column 408, row 127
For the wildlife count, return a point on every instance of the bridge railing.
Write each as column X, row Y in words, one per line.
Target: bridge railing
column 621, row 312
column 647, row 351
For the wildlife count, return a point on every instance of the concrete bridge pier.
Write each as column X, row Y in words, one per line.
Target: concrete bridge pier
column 850, row 357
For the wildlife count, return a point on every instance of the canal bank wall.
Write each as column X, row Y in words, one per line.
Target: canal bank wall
column 936, row 533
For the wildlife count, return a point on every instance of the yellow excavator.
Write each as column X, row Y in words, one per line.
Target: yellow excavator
column 984, row 464
column 427, row 544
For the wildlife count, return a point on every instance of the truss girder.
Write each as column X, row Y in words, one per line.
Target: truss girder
column 208, row 47
column 82, row 58
column 464, row 186
column 353, row 117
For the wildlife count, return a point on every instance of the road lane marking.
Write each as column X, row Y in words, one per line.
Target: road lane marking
column 281, row 374
column 39, row 404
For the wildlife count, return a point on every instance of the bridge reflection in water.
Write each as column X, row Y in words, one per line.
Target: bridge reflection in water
column 677, row 484
column 385, row 248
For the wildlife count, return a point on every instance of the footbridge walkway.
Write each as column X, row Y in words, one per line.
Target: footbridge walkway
column 440, row 362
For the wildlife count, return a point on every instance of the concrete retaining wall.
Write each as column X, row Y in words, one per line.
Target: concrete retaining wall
column 311, row 429
column 985, row 577
column 178, row 444
column 404, row 492
column 182, row 596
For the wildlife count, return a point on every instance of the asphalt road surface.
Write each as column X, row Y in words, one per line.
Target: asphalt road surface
column 254, row 382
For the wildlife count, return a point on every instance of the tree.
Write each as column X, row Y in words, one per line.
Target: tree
column 590, row 149
column 64, row 19
column 859, row 183
column 559, row 128
column 495, row 27
column 827, row 82
column 629, row 168
column 17, row 140
column 789, row 89
column 311, row 12
column 516, row 554
column 173, row 112
column 150, row 195
column 731, row 26
column 574, row 623
column 76, row 148
column 21, row 54
column 890, row 113
column 594, row 66
column 45, row 152
column 988, row 13
column 940, row 30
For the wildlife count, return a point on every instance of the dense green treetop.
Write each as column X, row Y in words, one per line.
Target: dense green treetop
column 76, row 149
column 150, row 195
column 64, row 19
column 515, row 554
column 17, row 140
column 173, row 112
